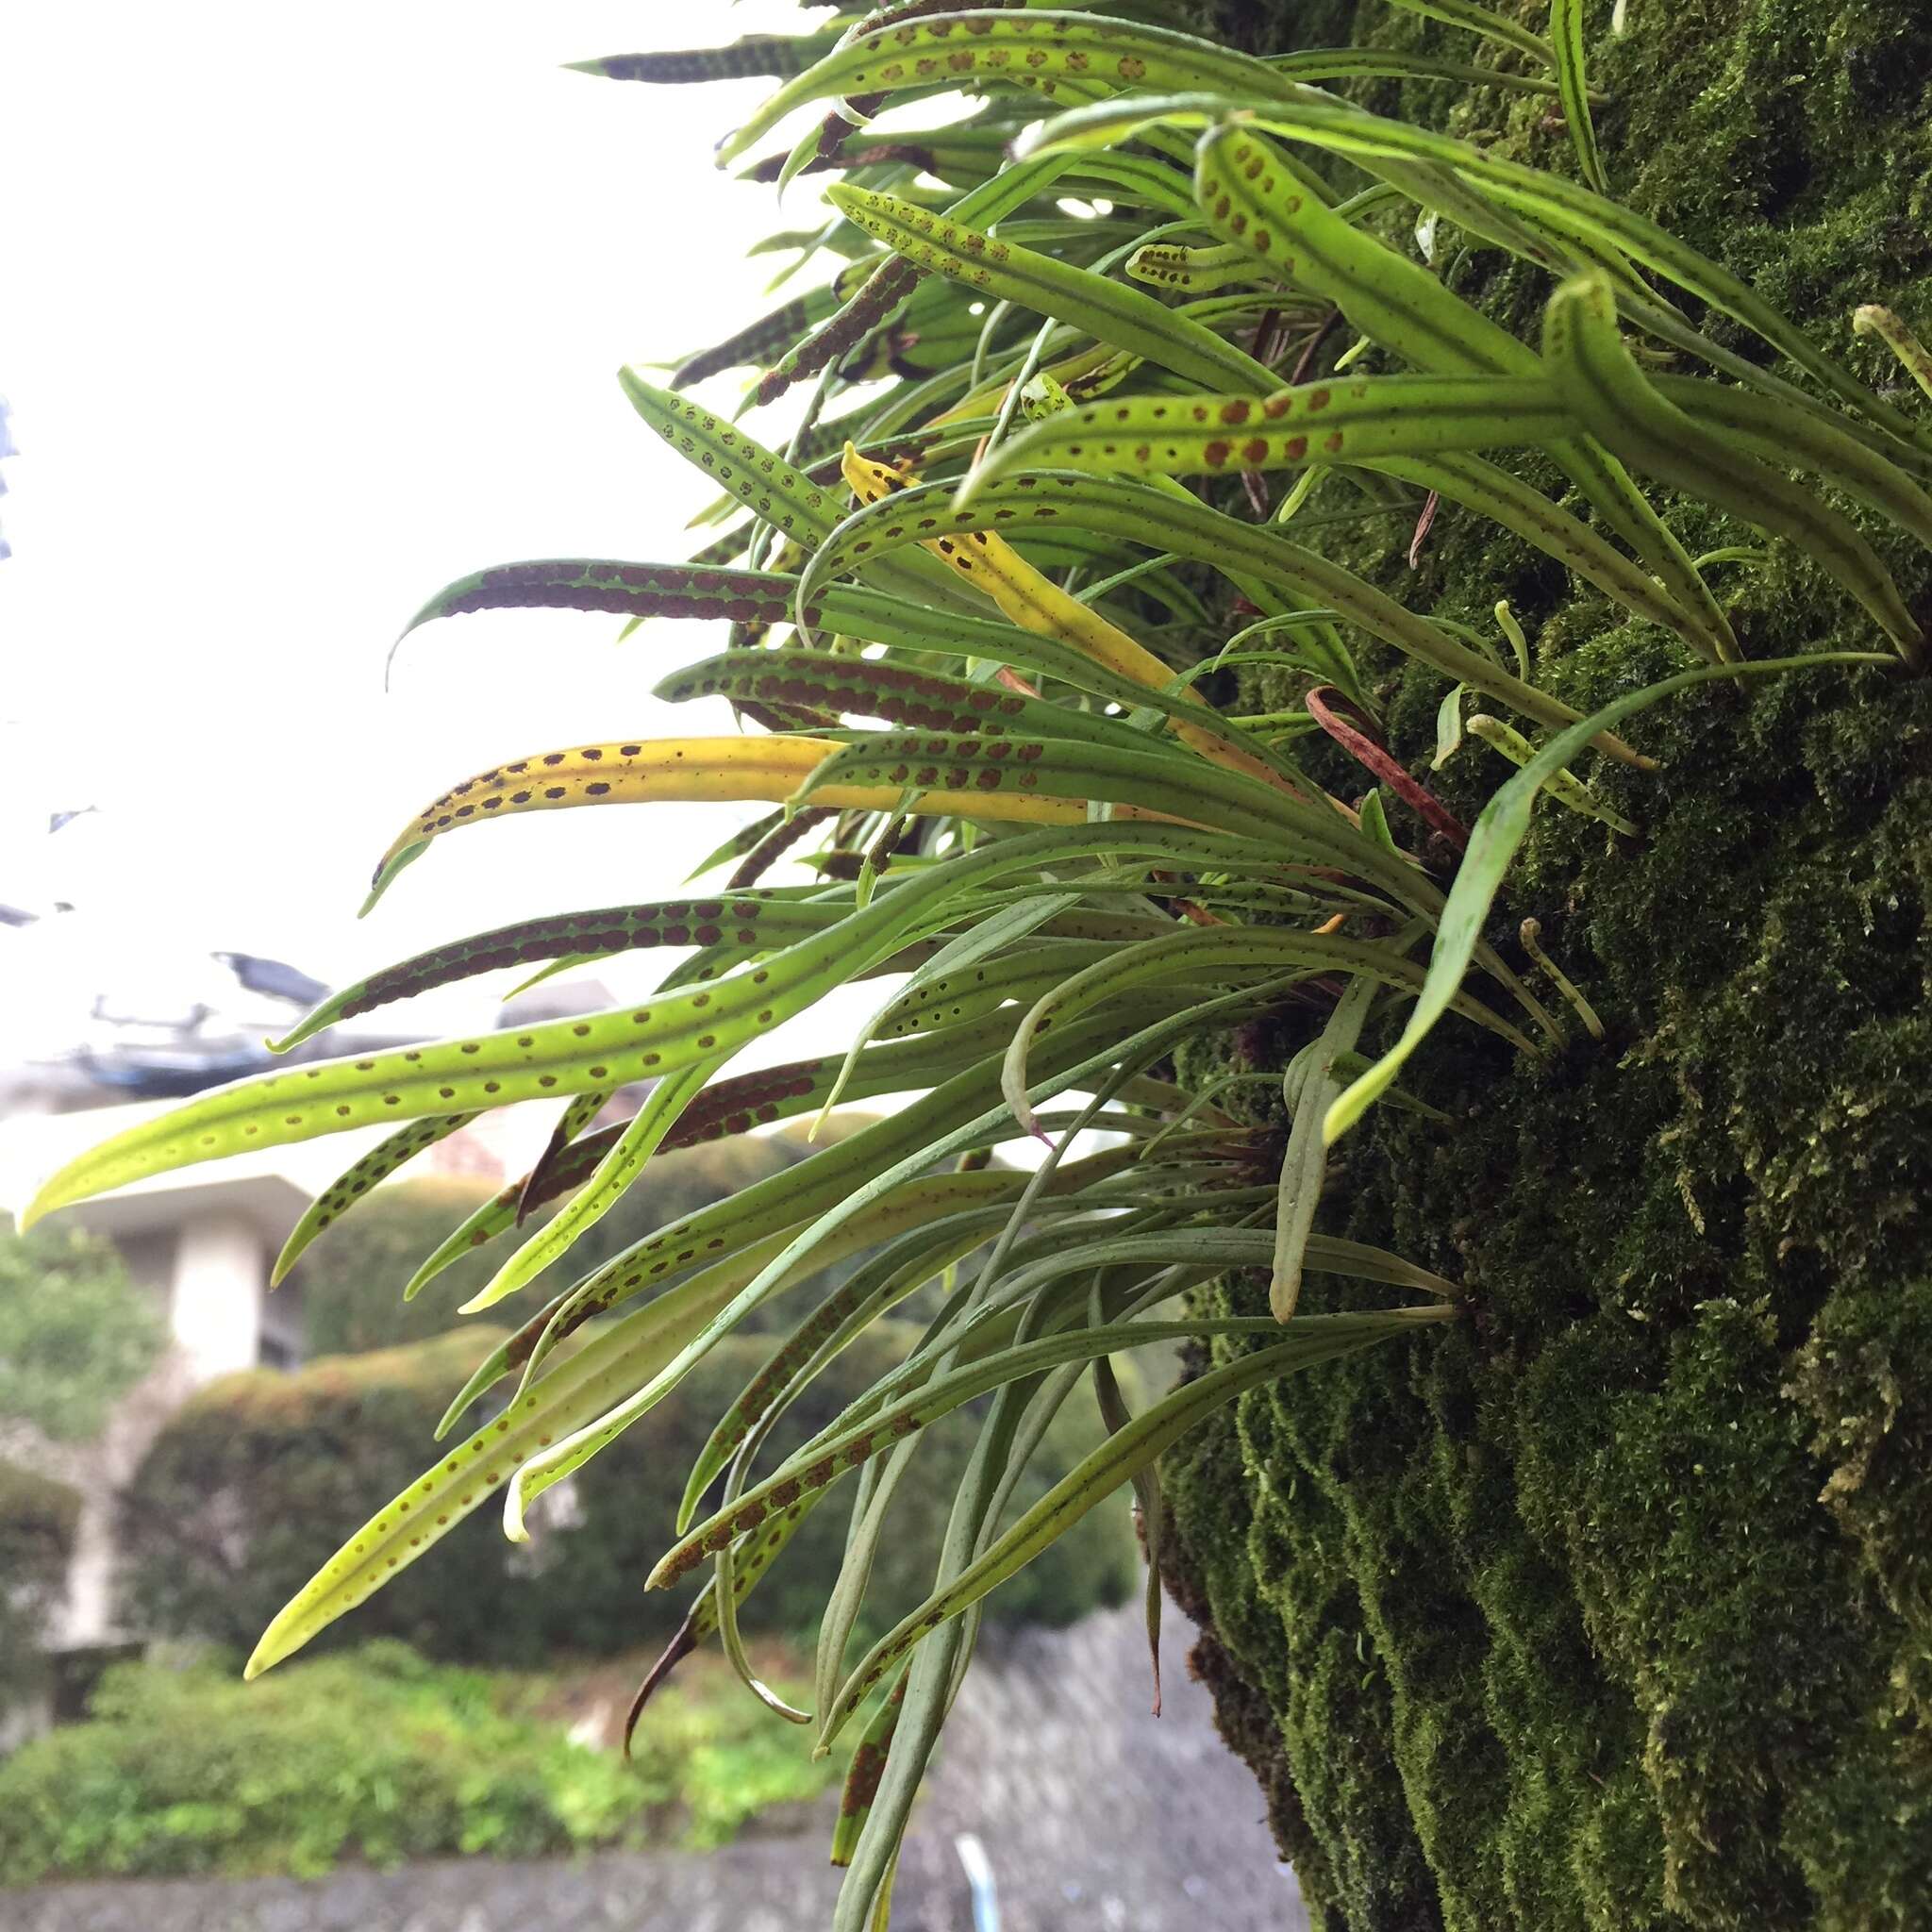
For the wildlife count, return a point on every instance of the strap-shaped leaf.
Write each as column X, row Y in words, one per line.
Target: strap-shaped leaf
column 651, row 770
column 1112, row 312
column 837, row 1185
column 1191, row 529
column 1382, row 63
column 1566, row 40
column 1314, row 1339
column 1461, row 476
column 957, row 1096
column 1787, row 435
column 754, row 918
column 994, row 569
column 1306, row 1089
column 763, row 481
column 1347, row 420
column 1041, row 49
column 862, row 1775
column 563, row 1056
column 1255, row 193
column 1215, row 954
column 621, row 1164
column 357, row 1180
column 779, row 54
column 1568, row 209
column 1493, row 843
column 764, row 341
column 1485, row 22
column 845, row 1448
column 554, row 1464
column 1047, row 769
column 990, row 200
column 873, row 1290
column 1605, row 386
column 604, row 1370
column 925, row 700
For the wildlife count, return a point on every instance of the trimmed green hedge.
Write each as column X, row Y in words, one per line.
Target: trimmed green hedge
column 352, row 1277
column 374, row 1755
column 37, row 1517
column 261, row 1476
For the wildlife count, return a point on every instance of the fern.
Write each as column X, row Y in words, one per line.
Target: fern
column 969, row 612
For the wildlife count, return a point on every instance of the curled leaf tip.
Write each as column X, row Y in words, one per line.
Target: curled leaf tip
column 514, row 1527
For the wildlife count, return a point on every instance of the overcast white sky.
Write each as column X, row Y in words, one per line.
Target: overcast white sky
column 306, row 311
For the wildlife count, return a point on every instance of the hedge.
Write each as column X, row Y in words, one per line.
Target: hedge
column 262, row 1475
column 351, row 1278
column 38, row 1519
column 374, row 1755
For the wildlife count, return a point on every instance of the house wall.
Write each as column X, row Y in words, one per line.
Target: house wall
column 219, row 1278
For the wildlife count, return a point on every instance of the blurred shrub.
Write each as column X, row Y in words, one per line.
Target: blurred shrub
column 373, row 1755
column 37, row 1517
column 76, row 1333
column 261, row 1476
column 352, row 1279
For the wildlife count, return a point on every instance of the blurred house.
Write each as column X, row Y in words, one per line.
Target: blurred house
column 99, row 1040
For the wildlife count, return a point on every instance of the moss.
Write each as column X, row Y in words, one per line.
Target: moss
column 1612, row 1608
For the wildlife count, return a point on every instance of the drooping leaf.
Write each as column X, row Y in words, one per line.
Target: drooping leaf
column 1191, row 529
column 357, row 1180
column 1492, row 845
column 1315, row 1339
column 1112, row 312
column 1566, row 40
column 1605, row 386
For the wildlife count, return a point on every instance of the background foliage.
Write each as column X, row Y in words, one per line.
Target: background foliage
column 37, row 1517
column 372, row 1754
column 76, row 1333
column 261, row 1474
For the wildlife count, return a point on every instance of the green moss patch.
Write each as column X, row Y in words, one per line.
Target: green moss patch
column 1613, row 1607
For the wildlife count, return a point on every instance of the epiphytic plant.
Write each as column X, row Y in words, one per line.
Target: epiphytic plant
column 1049, row 307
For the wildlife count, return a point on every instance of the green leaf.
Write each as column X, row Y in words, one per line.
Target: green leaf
column 1571, row 211
column 998, row 270
column 1162, row 522
column 1348, row 420
column 357, row 1180
column 823, row 1461
column 620, row 1165
column 1481, row 20
column 775, row 54
column 754, row 918
column 1493, row 843
column 1315, row 1339
column 563, row 1056
column 1307, row 1089
column 599, row 1374
column 1042, row 50
column 1256, row 194
column 1205, row 956
column 1607, row 389
column 1566, row 36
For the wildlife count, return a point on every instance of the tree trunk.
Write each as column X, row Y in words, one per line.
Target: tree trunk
column 1612, row 1608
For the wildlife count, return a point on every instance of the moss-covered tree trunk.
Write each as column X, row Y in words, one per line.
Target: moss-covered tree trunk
column 1613, row 1609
